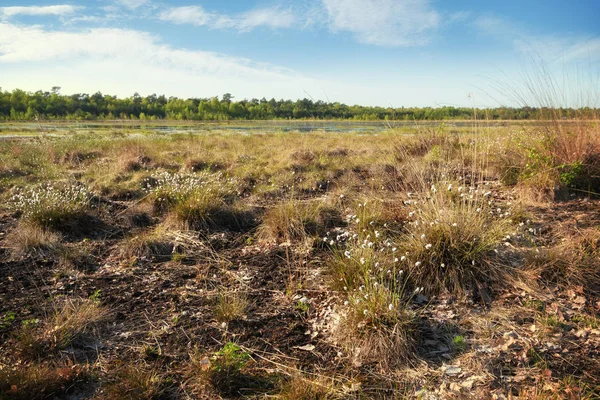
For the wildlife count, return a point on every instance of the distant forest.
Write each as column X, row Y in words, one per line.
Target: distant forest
column 19, row 105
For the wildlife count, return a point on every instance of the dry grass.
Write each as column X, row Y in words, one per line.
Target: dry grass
column 291, row 221
column 68, row 324
column 304, row 388
column 39, row 381
column 134, row 382
column 229, row 307
column 572, row 263
column 150, row 244
column 32, row 240
column 368, row 223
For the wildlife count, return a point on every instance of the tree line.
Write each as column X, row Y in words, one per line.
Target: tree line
column 19, row 105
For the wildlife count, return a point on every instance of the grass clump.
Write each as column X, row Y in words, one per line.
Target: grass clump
column 39, row 381
column 298, row 387
column 67, row 324
column 450, row 241
column 199, row 200
column 573, row 262
column 226, row 371
column 560, row 157
column 57, row 206
column 32, row 240
column 150, row 244
column 135, row 383
column 292, row 220
column 229, row 307
column 377, row 325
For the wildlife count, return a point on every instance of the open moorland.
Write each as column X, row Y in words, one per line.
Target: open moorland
column 431, row 261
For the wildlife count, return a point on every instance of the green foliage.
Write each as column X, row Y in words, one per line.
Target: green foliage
column 21, row 105
column 302, row 307
column 230, row 359
column 7, row 320
column 459, row 343
column 95, row 297
column 570, row 173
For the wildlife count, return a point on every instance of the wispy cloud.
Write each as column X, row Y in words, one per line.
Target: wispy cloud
column 57, row 10
column 389, row 23
column 124, row 60
column 273, row 17
column 132, row 4
column 193, row 15
column 384, row 22
column 550, row 47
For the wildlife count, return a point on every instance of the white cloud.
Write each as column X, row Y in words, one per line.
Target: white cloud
column 123, row 61
column 377, row 22
column 384, row 22
column 549, row 48
column 270, row 17
column 193, row 15
column 132, row 4
column 59, row 10
column 273, row 17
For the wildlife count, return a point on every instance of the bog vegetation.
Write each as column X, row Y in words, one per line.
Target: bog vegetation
column 456, row 262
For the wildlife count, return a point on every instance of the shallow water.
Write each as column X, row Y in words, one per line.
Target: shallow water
column 241, row 127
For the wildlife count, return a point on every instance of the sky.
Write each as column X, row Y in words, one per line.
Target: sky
column 369, row 52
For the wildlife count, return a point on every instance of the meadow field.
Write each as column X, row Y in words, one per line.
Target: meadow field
column 428, row 261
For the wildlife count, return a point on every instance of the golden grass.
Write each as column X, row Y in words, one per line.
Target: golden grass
column 32, row 240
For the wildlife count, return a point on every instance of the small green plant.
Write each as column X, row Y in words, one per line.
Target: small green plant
column 230, row 359
column 150, row 352
column 302, row 306
column 459, row 343
column 7, row 320
column 224, row 372
column 534, row 304
column 178, row 257
column 96, row 296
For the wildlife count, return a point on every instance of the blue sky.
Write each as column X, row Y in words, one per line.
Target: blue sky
column 371, row 52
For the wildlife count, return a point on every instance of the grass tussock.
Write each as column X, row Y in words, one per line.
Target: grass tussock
column 555, row 159
column 199, row 200
column 572, row 263
column 68, row 324
column 298, row 387
column 40, row 381
column 135, row 382
column 296, row 220
column 229, row 307
column 229, row 373
column 56, row 206
column 376, row 324
column 452, row 238
column 151, row 244
column 32, row 240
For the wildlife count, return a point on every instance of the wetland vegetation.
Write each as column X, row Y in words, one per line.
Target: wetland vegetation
column 423, row 261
